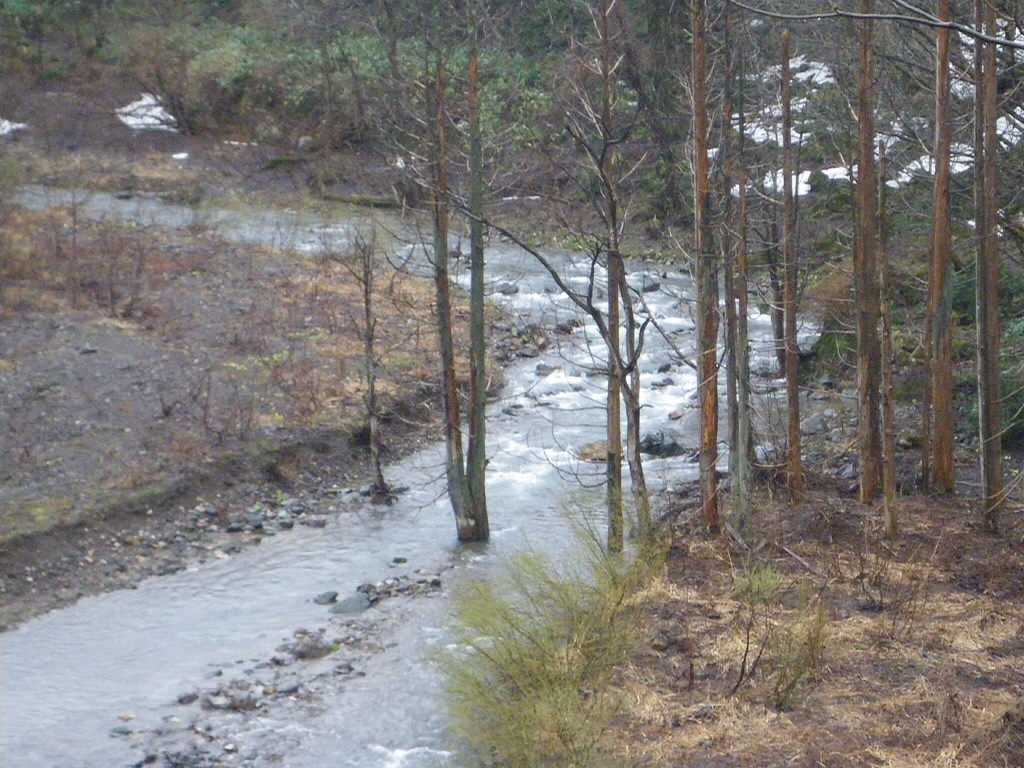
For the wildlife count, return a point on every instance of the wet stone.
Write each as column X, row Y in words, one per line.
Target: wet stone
column 352, row 604
column 326, row 598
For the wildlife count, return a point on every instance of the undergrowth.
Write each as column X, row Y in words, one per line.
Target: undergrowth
column 530, row 684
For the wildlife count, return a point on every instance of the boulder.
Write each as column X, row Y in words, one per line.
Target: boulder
column 595, row 452
column 814, row 425
column 353, row 604
column 507, row 289
column 661, row 444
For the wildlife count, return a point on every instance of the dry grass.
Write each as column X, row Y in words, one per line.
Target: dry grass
column 923, row 665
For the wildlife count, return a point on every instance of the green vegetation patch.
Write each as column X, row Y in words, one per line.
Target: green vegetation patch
column 530, row 683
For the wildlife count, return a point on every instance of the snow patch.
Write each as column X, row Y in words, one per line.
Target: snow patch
column 7, row 127
column 147, row 114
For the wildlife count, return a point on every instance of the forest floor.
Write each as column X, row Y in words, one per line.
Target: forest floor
column 824, row 644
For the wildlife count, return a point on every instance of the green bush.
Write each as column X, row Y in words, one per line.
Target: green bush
column 1011, row 291
column 530, row 683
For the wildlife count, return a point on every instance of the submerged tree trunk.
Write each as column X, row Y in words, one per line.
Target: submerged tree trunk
column 794, row 468
column 707, row 277
column 987, row 272
column 866, row 271
column 938, row 325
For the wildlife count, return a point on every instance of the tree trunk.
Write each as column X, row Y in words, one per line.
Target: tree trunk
column 476, row 450
column 616, row 282
column 370, row 358
column 775, row 281
column 866, row 271
column 741, row 480
column 727, row 239
column 939, row 322
column 987, row 304
column 888, row 393
column 707, row 277
column 458, row 488
column 794, row 468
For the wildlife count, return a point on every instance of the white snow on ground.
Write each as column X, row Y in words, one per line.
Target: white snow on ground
column 961, row 161
column 1010, row 129
column 961, row 87
column 774, row 184
column 816, row 73
column 803, row 70
column 838, row 173
column 7, row 127
column 147, row 114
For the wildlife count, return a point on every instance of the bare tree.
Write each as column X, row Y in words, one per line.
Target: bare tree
column 470, row 516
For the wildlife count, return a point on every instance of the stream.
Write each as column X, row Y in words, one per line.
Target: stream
column 98, row 683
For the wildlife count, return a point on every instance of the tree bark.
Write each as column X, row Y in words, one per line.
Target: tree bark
column 707, row 276
column 987, row 273
column 458, row 488
column 744, row 442
column 615, row 284
column 866, row 271
column 794, row 468
column 888, row 388
column 939, row 322
column 476, row 450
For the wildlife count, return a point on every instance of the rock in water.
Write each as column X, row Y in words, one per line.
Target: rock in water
column 595, row 452
column 814, row 425
column 326, row 598
column 352, row 604
column 507, row 289
column 661, row 444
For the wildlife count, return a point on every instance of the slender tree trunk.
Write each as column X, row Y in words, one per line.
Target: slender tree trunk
column 707, row 276
column 458, row 489
column 476, row 450
column 888, row 393
column 939, row 322
column 370, row 358
column 778, row 303
column 866, row 271
column 794, row 468
column 727, row 239
column 616, row 281
column 631, row 395
column 987, row 272
column 741, row 488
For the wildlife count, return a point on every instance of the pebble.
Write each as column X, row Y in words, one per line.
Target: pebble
column 326, row 598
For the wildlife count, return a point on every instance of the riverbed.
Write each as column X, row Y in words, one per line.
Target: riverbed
column 99, row 683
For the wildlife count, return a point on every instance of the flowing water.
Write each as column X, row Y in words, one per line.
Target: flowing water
column 69, row 676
